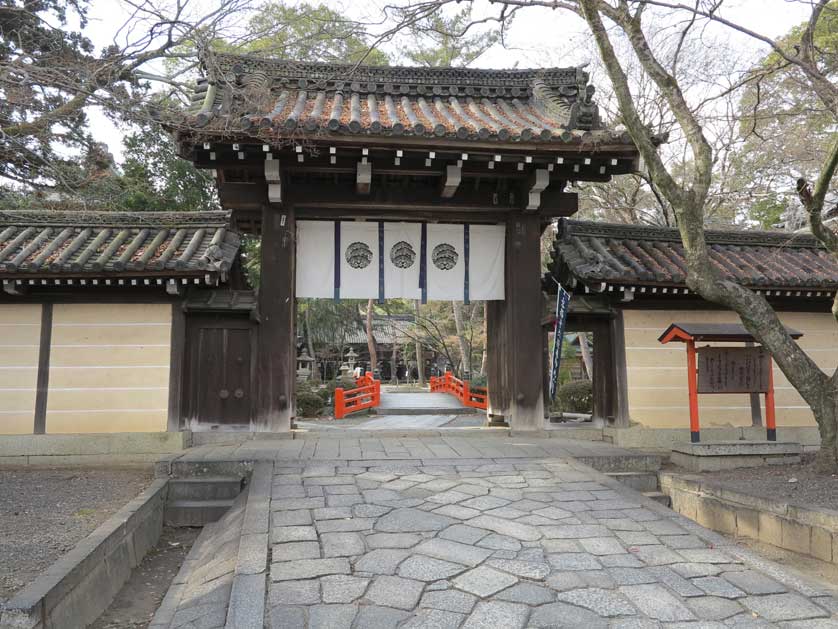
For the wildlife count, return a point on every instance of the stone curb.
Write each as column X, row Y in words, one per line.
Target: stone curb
column 82, row 583
column 247, row 599
column 804, row 530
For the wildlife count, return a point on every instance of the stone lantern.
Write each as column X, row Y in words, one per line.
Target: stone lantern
column 304, row 364
column 351, row 355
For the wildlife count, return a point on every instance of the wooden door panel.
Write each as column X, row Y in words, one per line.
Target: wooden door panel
column 221, row 365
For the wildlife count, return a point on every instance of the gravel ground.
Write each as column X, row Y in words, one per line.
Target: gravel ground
column 44, row 513
column 798, row 484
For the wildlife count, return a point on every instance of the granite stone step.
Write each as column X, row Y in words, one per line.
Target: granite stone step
column 195, row 512
column 204, row 488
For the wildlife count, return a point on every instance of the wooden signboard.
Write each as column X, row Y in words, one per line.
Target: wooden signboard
column 733, row 370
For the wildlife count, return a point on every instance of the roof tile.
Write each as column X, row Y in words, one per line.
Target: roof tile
column 630, row 255
column 82, row 243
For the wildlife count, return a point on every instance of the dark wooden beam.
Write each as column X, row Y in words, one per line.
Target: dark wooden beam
column 276, row 362
column 514, row 332
column 42, row 383
column 177, row 361
column 243, row 196
column 408, row 166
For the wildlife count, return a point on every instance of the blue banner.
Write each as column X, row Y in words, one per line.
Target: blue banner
column 562, row 306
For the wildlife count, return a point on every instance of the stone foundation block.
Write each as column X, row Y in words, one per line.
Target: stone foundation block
column 747, row 523
column 771, row 529
column 822, row 544
column 725, row 455
column 796, row 537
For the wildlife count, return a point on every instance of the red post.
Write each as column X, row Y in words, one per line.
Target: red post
column 340, row 409
column 466, row 396
column 692, row 385
column 376, row 392
column 770, row 417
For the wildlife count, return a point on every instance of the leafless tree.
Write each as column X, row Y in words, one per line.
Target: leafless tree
column 688, row 191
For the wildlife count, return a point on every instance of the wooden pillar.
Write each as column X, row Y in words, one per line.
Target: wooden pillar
column 601, row 378
column 514, row 331
column 277, row 317
column 619, row 414
column 498, row 402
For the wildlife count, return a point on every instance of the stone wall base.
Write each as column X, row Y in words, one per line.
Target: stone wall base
column 101, row 449
column 812, row 532
column 665, row 438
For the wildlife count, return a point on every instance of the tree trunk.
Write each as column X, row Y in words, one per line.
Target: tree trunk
column 393, row 371
column 586, row 354
column 688, row 203
column 464, row 353
column 315, row 370
column 420, row 360
column 826, row 414
column 371, row 338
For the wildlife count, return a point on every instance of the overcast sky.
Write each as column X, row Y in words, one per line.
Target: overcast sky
column 538, row 37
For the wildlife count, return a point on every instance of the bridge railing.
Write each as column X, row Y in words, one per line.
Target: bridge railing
column 474, row 397
column 367, row 394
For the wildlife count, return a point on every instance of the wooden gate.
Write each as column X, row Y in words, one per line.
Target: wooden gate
column 220, row 370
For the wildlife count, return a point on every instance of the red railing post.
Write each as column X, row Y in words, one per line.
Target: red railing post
column 466, row 399
column 692, row 388
column 340, row 409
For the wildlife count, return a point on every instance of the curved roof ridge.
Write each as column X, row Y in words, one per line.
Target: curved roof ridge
column 109, row 218
column 292, row 68
column 752, row 237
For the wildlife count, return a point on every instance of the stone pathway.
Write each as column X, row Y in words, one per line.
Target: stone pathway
column 405, row 422
column 506, row 544
column 350, row 445
column 418, row 401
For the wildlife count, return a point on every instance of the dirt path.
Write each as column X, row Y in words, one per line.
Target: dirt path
column 139, row 598
column 44, row 513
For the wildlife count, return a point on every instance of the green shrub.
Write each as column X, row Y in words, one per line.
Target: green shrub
column 478, row 381
column 309, row 403
column 576, row 396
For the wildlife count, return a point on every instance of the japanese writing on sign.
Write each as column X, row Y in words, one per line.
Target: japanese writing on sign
column 733, row 369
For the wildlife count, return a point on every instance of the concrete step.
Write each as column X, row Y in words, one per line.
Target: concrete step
column 425, row 410
column 660, row 497
column 622, row 462
column 204, row 488
column 639, row 481
column 195, row 512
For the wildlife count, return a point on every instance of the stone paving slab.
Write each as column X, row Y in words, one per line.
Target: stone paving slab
column 506, row 541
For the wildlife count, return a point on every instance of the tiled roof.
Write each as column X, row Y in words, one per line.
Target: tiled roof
column 102, row 244
column 273, row 99
column 385, row 329
column 602, row 254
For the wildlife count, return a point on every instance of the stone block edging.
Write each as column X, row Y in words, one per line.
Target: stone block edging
column 804, row 530
column 81, row 584
column 98, row 449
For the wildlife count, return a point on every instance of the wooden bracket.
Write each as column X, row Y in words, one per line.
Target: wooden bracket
column 539, row 181
column 11, row 288
column 453, row 177
column 272, row 176
column 363, row 177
